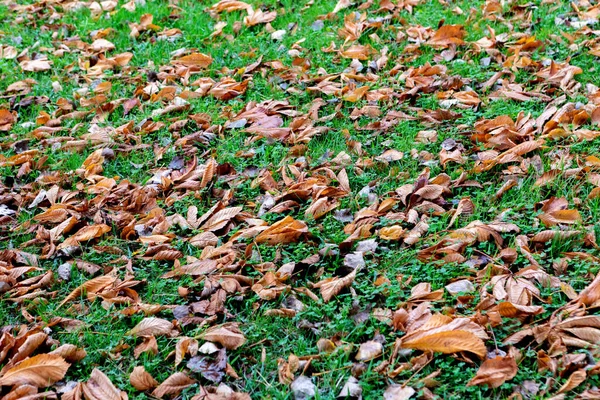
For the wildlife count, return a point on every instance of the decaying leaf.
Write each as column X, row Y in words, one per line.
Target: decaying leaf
column 99, row 387
column 333, row 286
column 40, row 371
column 142, row 380
column 227, row 335
column 495, row 371
column 173, row 385
column 194, row 60
column 152, row 327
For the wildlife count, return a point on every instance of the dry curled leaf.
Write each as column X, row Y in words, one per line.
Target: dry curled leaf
column 333, row 286
column 286, row 230
column 173, row 385
column 494, row 372
column 152, row 326
column 90, row 287
column 194, row 60
column 42, row 370
column 227, row 335
column 99, row 387
column 7, row 119
column 36, row 65
column 142, row 380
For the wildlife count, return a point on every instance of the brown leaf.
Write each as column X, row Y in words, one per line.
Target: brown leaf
column 443, row 334
column 90, row 287
column 99, row 387
column 394, row 232
column 36, row 65
column 209, row 172
column 494, row 372
column 85, row 234
column 560, row 217
column 42, row 370
column 449, row 34
column 369, row 350
column 357, row 51
column 257, row 16
column 576, row 379
column 448, row 342
column 70, row 352
column 332, row 286
column 7, row 119
column 152, row 327
column 195, row 60
column 229, row 6
column 321, row 207
column 286, row 230
column 227, row 335
column 173, row 385
column 142, row 380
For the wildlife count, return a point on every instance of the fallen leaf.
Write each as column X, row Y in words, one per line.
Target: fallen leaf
column 173, row 385
column 142, row 380
column 495, row 371
column 99, row 387
column 152, row 327
column 195, row 60
column 227, row 335
column 42, row 370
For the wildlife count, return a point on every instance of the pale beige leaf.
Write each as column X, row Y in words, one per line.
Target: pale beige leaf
column 36, row 65
column 341, row 4
column 398, row 392
column 369, row 350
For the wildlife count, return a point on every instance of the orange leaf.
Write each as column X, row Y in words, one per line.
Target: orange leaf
column 142, row 380
column 449, row 34
column 448, row 342
column 92, row 286
column 195, row 60
column 41, row 371
column 152, row 326
column 173, row 385
column 99, row 387
column 494, row 372
column 7, row 119
column 227, row 335
column 286, row 230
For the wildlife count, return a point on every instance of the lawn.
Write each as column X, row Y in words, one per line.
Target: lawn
column 278, row 199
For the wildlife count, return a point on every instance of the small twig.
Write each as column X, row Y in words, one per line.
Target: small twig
column 416, row 372
column 257, row 343
column 332, row 370
column 494, row 337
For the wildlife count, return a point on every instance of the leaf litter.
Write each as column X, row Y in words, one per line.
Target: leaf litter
column 384, row 141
